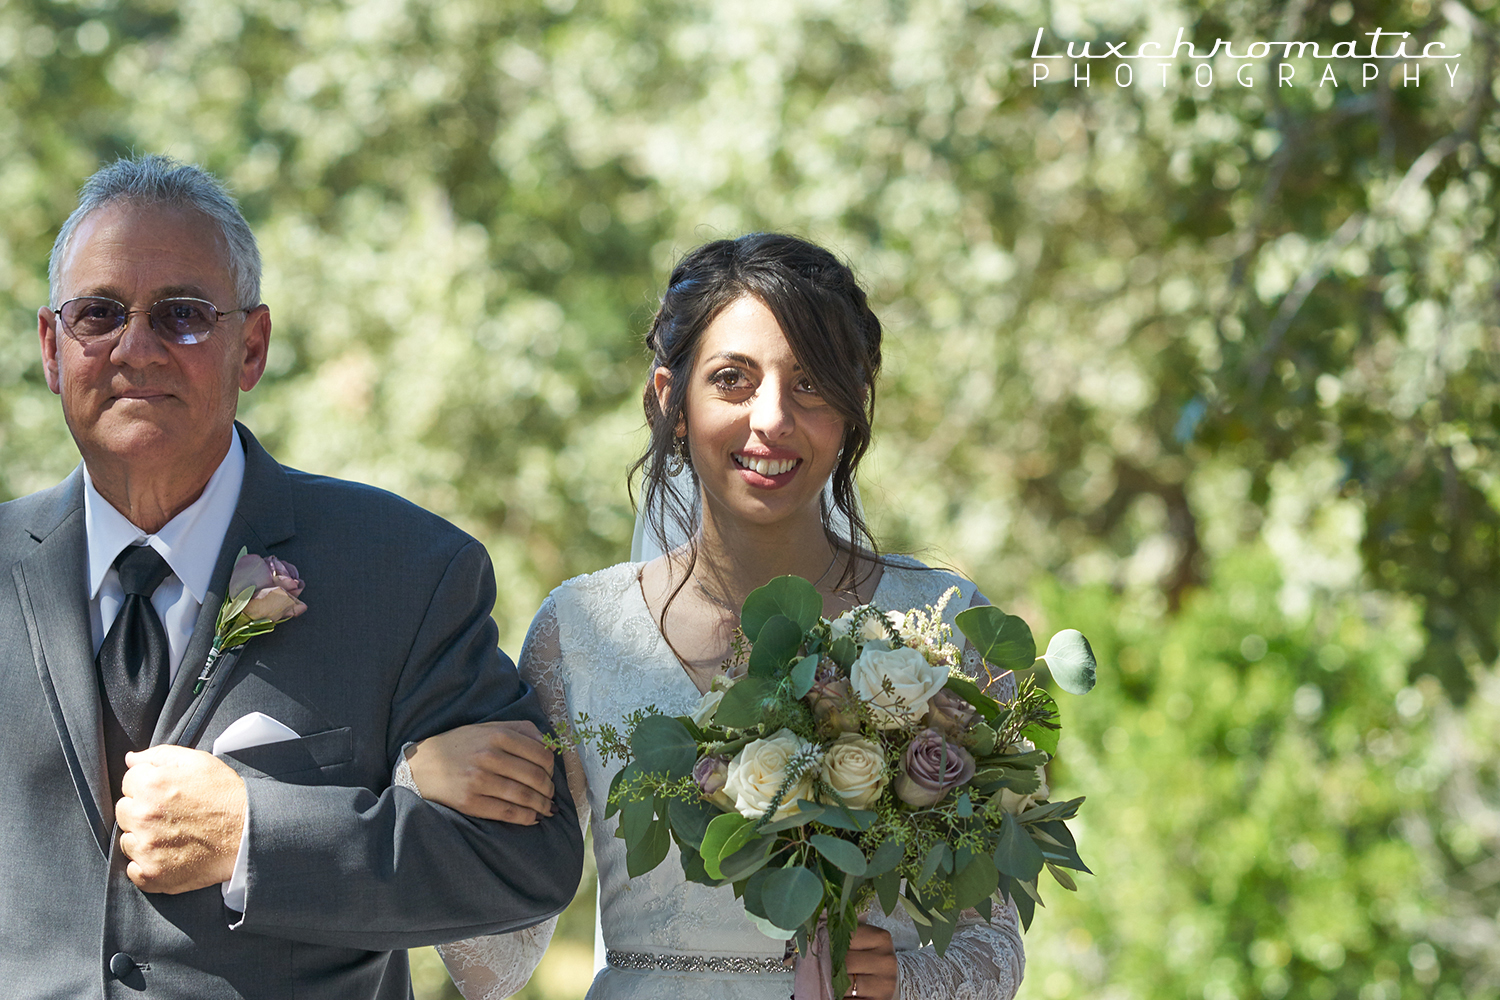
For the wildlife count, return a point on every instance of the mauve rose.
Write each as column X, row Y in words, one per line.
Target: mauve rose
column 931, row 767
column 830, row 700
column 710, row 774
column 276, row 585
column 949, row 712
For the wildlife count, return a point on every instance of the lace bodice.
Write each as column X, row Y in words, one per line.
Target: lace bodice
column 595, row 648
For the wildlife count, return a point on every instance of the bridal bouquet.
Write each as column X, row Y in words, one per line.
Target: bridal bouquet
column 839, row 760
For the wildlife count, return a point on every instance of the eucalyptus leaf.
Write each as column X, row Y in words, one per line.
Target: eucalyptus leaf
column 886, row 857
column 720, row 829
column 1071, row 660
column 843, row 855
column 650, row 851
column 663, row 745
column 611, row 803
column 974, row 882
column 1001, row 639
column 789, row 596
column 1066, row 852
column 1017, row 854
column 791, row 896
column 942, row 933
column 988, row 708
column 801, row 818
column 747, row 860
column 743, row 703
column 1063, row 878
column 918, row 917
column 690, row 819
column 842, row 818
column 1025, row 906
column 981, row 739
column 931, row 864
column 803, row 674
column 887, row 886
column 852, row 883
column 844, row 651
column 635, row 816
column 780, row 638
column 751, row 896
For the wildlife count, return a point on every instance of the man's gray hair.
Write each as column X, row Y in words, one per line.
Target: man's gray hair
column 161, row 180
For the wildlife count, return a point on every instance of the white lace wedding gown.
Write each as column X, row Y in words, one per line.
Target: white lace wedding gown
column 594, row 647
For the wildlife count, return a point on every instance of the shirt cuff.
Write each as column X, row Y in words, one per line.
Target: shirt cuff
column 401, row 777
column 239, row 882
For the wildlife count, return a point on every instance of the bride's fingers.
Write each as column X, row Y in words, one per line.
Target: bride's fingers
column 504, row 789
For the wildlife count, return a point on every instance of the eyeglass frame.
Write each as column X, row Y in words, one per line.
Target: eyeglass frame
column 115, row 333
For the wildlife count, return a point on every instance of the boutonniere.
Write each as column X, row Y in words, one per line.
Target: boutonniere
column 263, row 593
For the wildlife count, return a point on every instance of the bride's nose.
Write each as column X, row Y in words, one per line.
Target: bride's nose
column 771, row 411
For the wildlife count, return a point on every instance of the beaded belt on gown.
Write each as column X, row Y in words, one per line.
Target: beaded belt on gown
column 645, row 961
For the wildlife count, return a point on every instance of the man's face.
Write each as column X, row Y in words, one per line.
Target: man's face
column 139, row 402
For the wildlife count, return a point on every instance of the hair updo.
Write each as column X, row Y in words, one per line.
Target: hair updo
column 830, row 328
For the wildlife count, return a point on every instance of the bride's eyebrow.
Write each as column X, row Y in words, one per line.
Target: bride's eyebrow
column 739, row 359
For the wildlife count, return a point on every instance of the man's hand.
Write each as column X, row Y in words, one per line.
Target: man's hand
column 182, row 815
column 872, row 964
column 493, row 770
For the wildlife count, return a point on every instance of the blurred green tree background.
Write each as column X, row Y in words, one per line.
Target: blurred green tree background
column 1207, row 369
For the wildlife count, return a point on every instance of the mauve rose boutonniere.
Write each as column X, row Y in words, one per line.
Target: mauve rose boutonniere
column 263, row 592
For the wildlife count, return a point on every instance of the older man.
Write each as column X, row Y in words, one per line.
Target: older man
column 134, row 861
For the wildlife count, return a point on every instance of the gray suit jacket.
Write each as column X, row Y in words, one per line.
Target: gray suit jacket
column 345, row 871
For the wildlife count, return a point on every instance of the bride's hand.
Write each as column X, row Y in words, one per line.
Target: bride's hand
column 872, row 964
column 492, row 770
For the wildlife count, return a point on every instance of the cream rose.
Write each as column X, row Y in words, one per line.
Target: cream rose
column 913, row 680
column 854, row 767
column 707, row 706
column 871, row 630
column 758, row 771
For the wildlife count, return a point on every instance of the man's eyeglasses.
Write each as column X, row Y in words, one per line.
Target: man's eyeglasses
column 92, row 318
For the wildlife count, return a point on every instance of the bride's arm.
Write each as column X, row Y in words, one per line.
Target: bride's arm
column 488, row 968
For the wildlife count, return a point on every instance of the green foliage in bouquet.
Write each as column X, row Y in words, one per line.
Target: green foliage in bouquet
column 839, row 761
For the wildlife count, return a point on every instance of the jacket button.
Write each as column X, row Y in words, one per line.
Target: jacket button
column 121, row 965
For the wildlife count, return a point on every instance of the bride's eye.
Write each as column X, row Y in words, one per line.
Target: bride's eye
column 806, row 386
column 728, row 379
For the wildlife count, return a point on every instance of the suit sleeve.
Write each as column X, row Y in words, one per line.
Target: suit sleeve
column 345, row 867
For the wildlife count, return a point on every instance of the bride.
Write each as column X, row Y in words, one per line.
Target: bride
column 762, row 391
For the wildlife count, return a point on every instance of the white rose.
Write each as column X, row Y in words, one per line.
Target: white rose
column 758, row 771
column 873, row 629
column 854, row 767
column 707, row 706
column 912, row 678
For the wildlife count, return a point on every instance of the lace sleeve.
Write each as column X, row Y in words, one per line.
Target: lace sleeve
column 498, row 965
column 984, row 961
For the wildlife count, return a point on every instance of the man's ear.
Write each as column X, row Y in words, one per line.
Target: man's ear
column 661, row 381
column 257, row 343
column 46, row 323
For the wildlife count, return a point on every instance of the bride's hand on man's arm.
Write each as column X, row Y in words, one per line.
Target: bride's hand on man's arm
column 871, row 961
column 492, row 770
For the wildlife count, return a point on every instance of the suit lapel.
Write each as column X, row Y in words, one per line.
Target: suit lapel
column 52, row 584
column 263, row 517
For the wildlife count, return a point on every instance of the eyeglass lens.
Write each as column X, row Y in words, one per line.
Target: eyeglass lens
column 185, row 321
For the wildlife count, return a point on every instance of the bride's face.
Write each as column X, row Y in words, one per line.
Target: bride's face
column 762, row 441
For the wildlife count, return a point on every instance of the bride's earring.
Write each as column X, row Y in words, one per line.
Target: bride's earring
column 679, row 457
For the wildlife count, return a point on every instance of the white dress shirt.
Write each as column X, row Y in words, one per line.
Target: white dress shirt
column 190, row 544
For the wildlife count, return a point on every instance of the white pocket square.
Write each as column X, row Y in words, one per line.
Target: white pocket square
column 253, row 730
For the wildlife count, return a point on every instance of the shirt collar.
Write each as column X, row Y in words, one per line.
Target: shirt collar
column 190, row 542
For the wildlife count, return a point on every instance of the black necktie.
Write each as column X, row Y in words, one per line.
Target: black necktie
column 132, row 662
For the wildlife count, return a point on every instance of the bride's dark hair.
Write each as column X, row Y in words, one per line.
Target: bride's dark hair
column 831, row 330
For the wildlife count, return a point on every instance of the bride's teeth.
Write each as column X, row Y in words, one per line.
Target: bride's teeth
column 765, row 466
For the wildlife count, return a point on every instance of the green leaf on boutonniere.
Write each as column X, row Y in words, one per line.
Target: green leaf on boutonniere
column 802, row 675
column 789, row 596
column 1001, row 639
column 780, row 638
